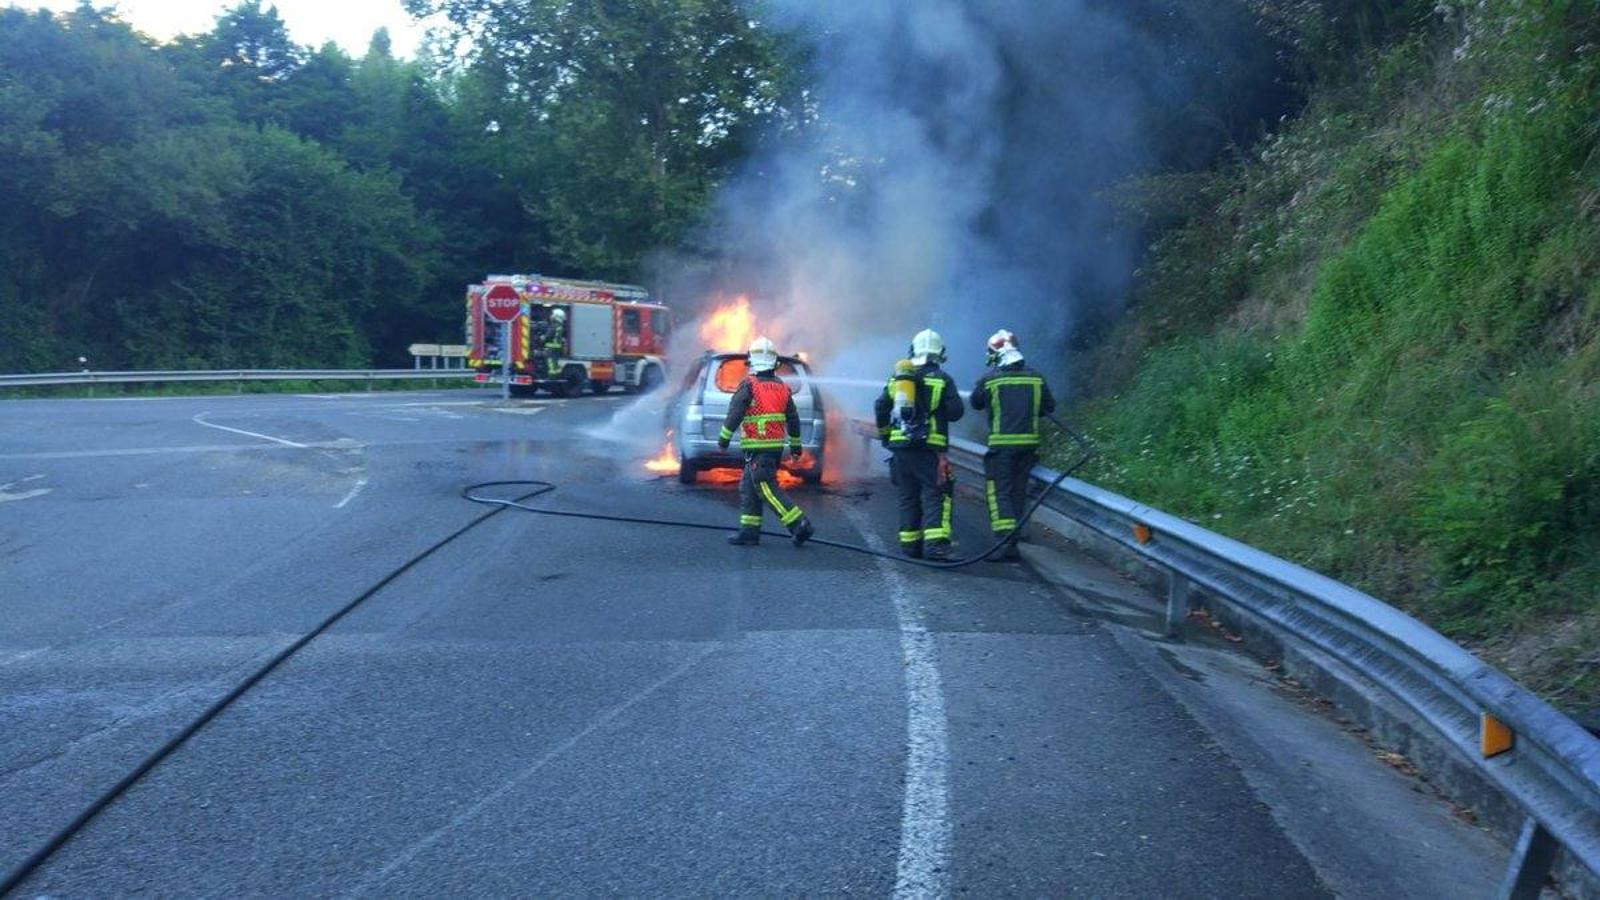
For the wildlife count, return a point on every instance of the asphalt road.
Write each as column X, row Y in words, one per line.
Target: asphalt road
column 552, row 706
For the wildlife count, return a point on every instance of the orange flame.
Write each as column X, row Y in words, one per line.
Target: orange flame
column 665, row 462
column 730, row 328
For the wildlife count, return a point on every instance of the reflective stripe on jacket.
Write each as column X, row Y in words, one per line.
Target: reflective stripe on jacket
column 1017, row 398
column 938, row 396
column 764, row 412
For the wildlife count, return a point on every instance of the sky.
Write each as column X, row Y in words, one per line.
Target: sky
column 350, row 23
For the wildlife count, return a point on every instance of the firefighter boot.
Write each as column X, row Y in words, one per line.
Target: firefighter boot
column 802, row 532
column 939, row 550
column 745, row 537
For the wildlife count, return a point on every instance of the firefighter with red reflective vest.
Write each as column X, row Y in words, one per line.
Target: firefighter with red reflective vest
column 763, row 414
column 1016, row 399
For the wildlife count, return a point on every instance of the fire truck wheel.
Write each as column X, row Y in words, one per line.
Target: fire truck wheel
column 650, row 380
column 599, row 387
column 571, row 382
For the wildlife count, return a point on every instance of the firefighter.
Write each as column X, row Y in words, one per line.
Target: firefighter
column 764, row 413
column 914, row 415
column 555, row 341
column 1016, row 398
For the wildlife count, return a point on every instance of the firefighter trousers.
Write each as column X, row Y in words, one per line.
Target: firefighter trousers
column 760, row 485
column 926, row 499
column 1006, row 471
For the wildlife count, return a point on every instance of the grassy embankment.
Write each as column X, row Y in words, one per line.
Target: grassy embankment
column 1373, row 347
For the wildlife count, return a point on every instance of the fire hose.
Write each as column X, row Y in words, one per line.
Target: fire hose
column 533, row 489
column 1086, row 452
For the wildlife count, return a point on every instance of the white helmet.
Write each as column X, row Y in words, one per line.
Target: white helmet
column 763, row 355
column 558, row 315
column 927, row 347
column 1003, row 350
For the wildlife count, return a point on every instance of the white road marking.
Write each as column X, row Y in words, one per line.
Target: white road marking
column 494, row 796
column 200, row 419
column 360, row 483
column 7, row 495
column 923, row 866
column 21, row 655
column 32, row 478
column 521, row 411
column 340, row 444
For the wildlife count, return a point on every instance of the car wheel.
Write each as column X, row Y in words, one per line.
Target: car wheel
column 688, row 472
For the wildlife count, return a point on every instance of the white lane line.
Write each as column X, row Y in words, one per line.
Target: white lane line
column 22, row 655
column 923, row 866
column 7, row 495
column 360, row 483
column 494, row 796
column 340, row 444
column 200, row 419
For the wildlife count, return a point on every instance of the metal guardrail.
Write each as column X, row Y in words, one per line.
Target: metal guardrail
column 1552, row 771
column 42, row 379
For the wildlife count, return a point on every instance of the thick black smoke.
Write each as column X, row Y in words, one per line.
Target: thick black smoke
column 955, row 177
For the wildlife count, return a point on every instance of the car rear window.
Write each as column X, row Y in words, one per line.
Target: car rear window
column 733, row 370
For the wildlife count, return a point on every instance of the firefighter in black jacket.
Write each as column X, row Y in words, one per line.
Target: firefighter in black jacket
column 763, row 414
column 1016, row 398
column 914, row 415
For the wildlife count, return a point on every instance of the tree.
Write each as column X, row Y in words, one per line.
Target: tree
column 244, row 60
column 619, row 117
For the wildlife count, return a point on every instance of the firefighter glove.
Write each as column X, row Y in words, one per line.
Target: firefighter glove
column 796, row 452
column 722, row 445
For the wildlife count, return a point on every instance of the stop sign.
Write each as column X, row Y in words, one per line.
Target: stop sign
column 501, row 303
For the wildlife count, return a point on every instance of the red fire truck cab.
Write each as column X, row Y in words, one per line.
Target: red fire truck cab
column 571, row 335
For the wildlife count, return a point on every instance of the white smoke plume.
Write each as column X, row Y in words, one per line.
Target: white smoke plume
column 952, row 181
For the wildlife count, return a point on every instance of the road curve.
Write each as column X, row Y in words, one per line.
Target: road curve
column 553, row 706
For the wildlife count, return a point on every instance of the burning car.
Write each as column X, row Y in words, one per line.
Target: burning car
column 699, row 406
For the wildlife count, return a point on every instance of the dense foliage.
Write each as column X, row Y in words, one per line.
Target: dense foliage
column 1374, row 345
column 233, row 199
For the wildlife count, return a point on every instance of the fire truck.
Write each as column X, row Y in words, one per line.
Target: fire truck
column 571, row 335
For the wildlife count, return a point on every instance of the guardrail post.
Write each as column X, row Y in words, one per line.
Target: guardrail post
column 1530, row 863
column 1178, row 593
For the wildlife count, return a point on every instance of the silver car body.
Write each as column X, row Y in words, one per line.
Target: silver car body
column 701, row 405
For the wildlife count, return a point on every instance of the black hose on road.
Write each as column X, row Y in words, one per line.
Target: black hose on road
column 29, row 866
column 22, row 872
column 470, row 492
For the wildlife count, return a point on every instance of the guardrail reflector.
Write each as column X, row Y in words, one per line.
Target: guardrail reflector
column 1497, row 738
column 1141, row 533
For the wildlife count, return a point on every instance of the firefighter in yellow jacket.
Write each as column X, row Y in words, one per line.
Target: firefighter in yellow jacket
column 763, row 414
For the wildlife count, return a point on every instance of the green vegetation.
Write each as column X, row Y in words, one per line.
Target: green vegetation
column 1374, row 345
column 234, row 200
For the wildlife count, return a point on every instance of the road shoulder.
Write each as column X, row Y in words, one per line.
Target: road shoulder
column 1367, row 827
